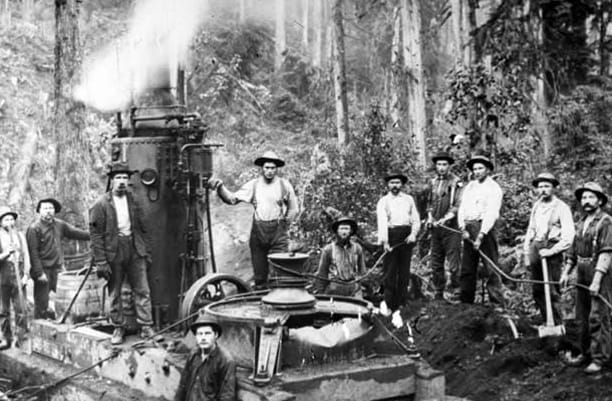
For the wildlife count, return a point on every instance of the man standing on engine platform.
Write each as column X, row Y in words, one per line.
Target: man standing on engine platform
column 44, row 238
column 275, row 206
column 443, row 196
column 341, row 262
column 478, row 211
column 120, row 250
column 591, row 252
column 549, row 234
column 398, row 225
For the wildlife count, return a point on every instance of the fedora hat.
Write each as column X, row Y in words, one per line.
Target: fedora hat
column 344, row 220
column 396, row 175
column 55, row 202
column 480, row 159
column 443, row 156
column 4, row 210
column 592, row 187
column 269, row 156
column 546, row 177
column 119, row 167
column 206, row 319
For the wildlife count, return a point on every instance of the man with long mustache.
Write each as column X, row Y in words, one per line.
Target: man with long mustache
column 549, row 234
column 591, row 252
column 120, row 250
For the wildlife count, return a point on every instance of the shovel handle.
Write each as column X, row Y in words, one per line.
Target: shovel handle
column 550, row 321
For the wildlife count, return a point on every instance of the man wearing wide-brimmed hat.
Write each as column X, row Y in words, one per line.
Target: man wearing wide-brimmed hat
column 210, row 371
column 398, row 225
column 14, row 265
column 120, row 249
column 591, row 253
column 275, row 206
column 550, row 233
column 443, row 194
column 44, row 238
column 341, row 262
column 478, row 211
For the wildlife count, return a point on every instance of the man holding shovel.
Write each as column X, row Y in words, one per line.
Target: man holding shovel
column 549, row 234
column 591, row 252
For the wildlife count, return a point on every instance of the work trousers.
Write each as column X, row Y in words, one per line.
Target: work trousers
column 129, row 264
column 396, row 265
column 445, row 244
column 10, row 296
column 554, row 264
column 41, row 293
column 266, row 237
column 469, row 265
column 593, row 316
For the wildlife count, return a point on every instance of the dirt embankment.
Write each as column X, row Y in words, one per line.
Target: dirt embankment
column 474, row 346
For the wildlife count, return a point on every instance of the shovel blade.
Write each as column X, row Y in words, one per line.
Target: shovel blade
column 551, row 331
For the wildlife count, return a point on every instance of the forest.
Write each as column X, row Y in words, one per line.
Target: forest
column 344, row 91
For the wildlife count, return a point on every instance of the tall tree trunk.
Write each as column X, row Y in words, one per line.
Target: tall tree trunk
column 27, row 7
column 604, row 54
column 305, row 23
column 411, row 24
column 398, row 81
column 540, row 101
column 242, row 11
column 72, row 153
column 342, row 121
column 280, row 43
column 457, row 23
column 318, row 27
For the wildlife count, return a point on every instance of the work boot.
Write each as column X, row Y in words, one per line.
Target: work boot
column 593, row 368
column 147, row 332
column 117, row 337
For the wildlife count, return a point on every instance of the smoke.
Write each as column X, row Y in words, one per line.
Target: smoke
column 158, row 38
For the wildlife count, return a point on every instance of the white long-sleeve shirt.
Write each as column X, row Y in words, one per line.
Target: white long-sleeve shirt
column 480, row 201
column 551, row 221
column 396, row 210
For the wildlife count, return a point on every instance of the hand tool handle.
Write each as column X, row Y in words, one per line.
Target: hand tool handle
column 549, row 313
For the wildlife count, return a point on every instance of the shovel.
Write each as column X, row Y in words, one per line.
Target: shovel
column 549, row 329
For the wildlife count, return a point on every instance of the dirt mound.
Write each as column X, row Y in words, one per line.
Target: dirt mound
column 482, row 361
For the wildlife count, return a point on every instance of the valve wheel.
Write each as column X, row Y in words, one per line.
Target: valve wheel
column 210, row 288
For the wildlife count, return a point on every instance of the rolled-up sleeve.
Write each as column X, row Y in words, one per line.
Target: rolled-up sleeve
column 381, row 219
column 415, row 219
column 244, row 194
column 568, row 230
column 494, row 202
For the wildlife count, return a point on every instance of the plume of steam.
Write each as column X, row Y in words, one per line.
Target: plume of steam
column 147, row 56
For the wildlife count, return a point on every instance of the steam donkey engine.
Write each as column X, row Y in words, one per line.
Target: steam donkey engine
column 168, row 148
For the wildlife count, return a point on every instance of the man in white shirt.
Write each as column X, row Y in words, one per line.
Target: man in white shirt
column 550, row 233
column 275, row 206
column 398, row 225
column 478, row 211
column 120, row 250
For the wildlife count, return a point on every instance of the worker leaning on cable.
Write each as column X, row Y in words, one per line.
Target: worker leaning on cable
column 591, row 253
column 550, row 233
column 478, row 211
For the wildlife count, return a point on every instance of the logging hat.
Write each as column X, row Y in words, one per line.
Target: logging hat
column 5, row 210
column 119, row 167
column 55, row 202
column 269, row 156
column 344, row 220
column 443, row 156
column 206, row 319
column 545, row 177
column 592, row 187
column 396, row 175
column 480, row 159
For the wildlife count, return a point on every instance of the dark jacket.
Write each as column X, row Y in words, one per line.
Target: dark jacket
column 211, row 380
column 104, row 231
column 45, row 243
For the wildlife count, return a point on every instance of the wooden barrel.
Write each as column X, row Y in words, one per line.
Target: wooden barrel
column 89, row 301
